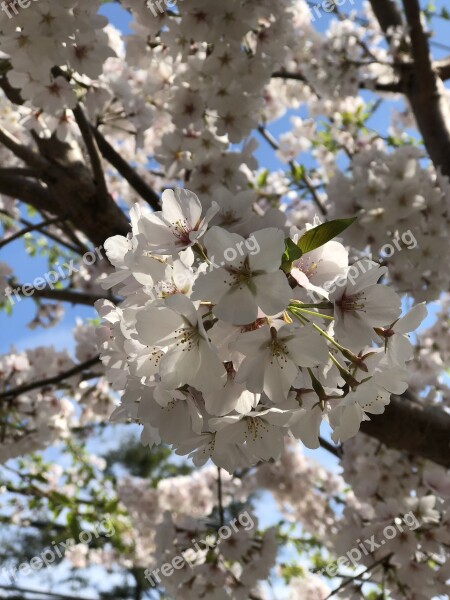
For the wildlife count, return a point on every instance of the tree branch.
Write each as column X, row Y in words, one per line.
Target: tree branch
column 414, row 428
column 29, row 229
column 387, row 14
column 20, row 151
column 44, row 232
column 420, row 81
column 121, row 165
column 28, row 387
column 67, row 295
column 382, row 561
column 92, row 148
column 393, row 87
column 28, row 191
column 294, row 165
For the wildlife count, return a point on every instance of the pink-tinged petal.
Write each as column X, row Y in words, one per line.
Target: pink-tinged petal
column 252, row 343
column 364, row 273
column 211, row 375
column 181, row 304
column 381, row 305
column 251, row 373
column 212, row 285
column 399, row 349
column 116, row 248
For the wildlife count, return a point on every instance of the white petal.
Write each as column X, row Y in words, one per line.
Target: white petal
column 156, row 325
column 223, row 246
column 271, row 248
column 278, row 378
column 272, row 292
column 179, row 366
column 305, row 426
column 307, row 348
column 238, row 306
column 181, row 205
column 412, row 319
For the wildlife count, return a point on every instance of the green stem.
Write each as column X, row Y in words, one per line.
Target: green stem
column 316, row 314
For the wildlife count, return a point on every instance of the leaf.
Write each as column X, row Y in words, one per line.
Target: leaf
column 262, row 178
column 320, row 235
column 292, row 252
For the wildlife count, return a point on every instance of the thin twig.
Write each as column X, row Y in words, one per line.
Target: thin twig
column 335, row 450
column 220, row 496
column 294, row 165
column 29, row 229
column 122, row 166
column 13, row 588
column 28, row 387
column 348, row 581
column 46, row 233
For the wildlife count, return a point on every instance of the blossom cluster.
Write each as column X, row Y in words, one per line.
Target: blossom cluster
column 42, row 415
column 419, row 565
column 215, row 349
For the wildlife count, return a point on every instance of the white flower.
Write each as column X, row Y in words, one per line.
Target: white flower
column 190, row 359
column 179, row 225
column 259, row 434
column 398, row 347
column 247, row 275
column 232, row 397
column 316, row 270
column 361, row 304
column 273, row 357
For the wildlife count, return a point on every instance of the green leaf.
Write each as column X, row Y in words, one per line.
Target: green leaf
column 320, row 235
column 262, row 178
column 292, row 252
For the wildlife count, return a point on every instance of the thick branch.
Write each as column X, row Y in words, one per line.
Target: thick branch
column 20, row 151
column 387, row 13
column 415, row 428
column 421, row 82
column 28, row 191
